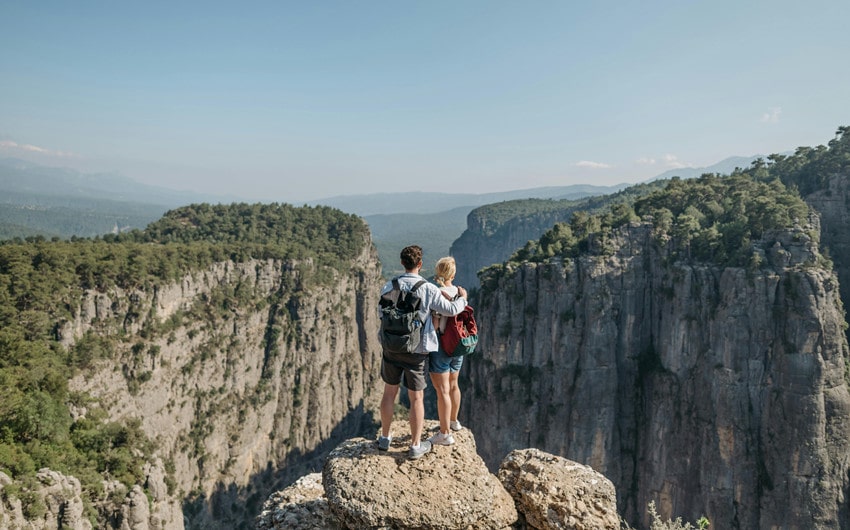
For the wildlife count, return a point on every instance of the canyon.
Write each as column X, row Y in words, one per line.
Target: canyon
column 706, row 388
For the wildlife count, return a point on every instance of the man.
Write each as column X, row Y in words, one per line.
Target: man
column 412, row 365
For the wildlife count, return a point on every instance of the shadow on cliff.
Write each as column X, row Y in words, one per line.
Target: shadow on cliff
column 235, row 507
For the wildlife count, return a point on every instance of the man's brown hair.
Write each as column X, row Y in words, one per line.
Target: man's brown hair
column 411, row 257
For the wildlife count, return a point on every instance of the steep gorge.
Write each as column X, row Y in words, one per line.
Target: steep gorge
column 713, row 389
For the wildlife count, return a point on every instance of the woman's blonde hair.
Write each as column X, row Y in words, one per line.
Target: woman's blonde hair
column 445, row 270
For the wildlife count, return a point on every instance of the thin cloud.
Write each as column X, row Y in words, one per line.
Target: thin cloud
column 772, row 115
column 672, row 161
column 668, row 161
column 592, row 165
column 9, row 145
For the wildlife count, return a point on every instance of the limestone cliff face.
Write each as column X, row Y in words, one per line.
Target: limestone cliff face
column 715, row 391
column 832, row 206
column 486, row 242
column 244, row 374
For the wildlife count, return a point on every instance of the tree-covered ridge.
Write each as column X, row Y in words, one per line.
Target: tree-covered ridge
column 191, row 238
column 717, row 219
column 714, row 219
column 308, row 230
column 41, row 282
column 809, row 168
column 493, row 217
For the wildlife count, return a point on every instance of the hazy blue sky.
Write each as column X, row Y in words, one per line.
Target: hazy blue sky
column 293, row 101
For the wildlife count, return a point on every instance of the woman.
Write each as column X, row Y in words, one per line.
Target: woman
column 444, row 369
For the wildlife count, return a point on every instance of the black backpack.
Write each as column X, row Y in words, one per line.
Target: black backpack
column 401, row 327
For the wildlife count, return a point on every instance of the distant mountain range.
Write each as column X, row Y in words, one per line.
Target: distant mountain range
column 22, row 180
column 431, row 202
column 421, row 202
column 63, row 202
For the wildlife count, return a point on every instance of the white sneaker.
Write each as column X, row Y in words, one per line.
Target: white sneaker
column 442, row 439
column 456, row 426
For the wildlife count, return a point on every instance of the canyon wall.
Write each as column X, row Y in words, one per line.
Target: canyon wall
column 244, row 375
column 716, row 391
column 833, row 206
column 485, row 241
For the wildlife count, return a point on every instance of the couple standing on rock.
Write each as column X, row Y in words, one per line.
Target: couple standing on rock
column 447, row 300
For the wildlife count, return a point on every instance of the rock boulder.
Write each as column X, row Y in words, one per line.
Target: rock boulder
column 448, row 488
column 556, row 493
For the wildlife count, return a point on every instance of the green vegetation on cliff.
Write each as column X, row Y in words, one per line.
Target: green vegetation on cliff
column 713, row 219
column 42, row 281
column 494, row 217
column 810, row 168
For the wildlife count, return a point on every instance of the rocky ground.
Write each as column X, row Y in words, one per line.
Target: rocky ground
column 449, row 488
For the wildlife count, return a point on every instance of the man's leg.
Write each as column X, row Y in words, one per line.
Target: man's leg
column 444, row 400
column 388, row 407
column 417, row 414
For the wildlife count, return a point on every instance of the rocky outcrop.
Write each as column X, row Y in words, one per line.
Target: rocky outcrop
column 449, row 488
column 244, row 374
column 53, row 501
column 712, row 391
column 553, row 492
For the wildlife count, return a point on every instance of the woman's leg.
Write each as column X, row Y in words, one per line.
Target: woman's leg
column 444, row 400
column 454, row 394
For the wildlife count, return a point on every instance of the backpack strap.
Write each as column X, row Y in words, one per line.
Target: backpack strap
column 403, row 294
column 397, row 287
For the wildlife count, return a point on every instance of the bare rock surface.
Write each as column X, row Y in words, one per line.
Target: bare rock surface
column 212, row 384
column 301, row 506
column 707, row 389
column 555, row 493
column 448, row 488
column 135, row 511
